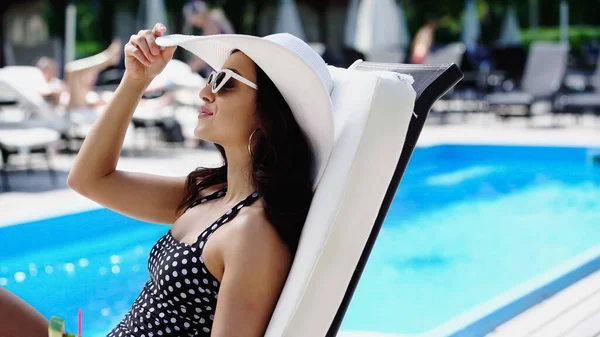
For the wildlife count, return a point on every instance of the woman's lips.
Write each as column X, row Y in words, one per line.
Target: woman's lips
column 204, row 112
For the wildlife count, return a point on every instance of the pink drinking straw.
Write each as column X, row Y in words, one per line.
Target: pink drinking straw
column 79, row 323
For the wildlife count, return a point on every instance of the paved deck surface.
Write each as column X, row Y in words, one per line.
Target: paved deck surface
column 573, row 312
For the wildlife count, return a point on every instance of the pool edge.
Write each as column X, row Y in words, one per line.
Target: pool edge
column 486, row 317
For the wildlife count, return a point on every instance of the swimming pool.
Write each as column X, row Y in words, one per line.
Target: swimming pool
column 467, row 224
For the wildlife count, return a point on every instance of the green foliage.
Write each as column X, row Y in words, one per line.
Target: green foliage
column 448, row 14
column 87, row 21
column 95, row 17
column 578, row 35
column 87, row 48
column 53, row 18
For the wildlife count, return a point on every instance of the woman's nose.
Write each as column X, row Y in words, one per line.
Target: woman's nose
column 206, row 94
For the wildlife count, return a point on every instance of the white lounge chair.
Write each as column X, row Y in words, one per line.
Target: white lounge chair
column 31, row 125
column 377, row 119
column 178, row 75
column 25, row 84
column 26, row 141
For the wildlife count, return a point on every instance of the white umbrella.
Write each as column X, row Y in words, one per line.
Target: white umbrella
column 150, row 12
column 70, row 38
column 288, row 19
column 377, row 26
column 471, row 29
column 511, row 32
column 564, row 21
column 350, row 24
column 404, row 36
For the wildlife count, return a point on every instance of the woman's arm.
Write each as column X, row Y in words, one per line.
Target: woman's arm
column 94, row 175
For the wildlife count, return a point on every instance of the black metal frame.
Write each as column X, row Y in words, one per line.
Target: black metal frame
column 431, row 83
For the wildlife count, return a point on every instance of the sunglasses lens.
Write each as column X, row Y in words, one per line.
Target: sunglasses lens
column 218, row 78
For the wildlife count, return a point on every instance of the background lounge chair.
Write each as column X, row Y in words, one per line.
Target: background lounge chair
column 580, row 103
column 543, row 76
column 16, row 55
column 452, row 53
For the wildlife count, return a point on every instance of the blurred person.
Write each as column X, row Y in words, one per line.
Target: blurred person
column 81, row 76
column 76, row 91
column 205, row 21
column 212, row 277
column 49, row 68
column 422, row 42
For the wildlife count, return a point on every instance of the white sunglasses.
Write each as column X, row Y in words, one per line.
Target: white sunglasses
column 218, row 79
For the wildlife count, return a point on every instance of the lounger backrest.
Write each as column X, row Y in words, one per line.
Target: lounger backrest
column 545, row 68
column 378, row 119
column 371, row 117
column 430, row 83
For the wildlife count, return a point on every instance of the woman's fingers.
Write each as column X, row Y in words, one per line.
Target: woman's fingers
column 132, row 50
column 141, row 42
column 159, row 29
column 151, row 40
column 143, row 47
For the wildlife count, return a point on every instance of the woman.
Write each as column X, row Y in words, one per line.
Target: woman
column 269, row 113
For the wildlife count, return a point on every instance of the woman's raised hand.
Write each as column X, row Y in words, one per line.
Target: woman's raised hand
column 144, row 59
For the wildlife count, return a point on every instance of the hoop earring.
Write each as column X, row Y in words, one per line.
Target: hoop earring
column 250, row 143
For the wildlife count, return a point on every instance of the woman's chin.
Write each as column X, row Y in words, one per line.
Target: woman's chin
column 201, row 134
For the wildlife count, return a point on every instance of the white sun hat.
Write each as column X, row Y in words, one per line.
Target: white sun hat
column 299, row 73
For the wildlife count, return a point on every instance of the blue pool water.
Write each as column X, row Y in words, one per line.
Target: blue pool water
column 467, row 223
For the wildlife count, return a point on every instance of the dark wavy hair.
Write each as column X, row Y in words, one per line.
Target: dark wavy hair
column 281, row 165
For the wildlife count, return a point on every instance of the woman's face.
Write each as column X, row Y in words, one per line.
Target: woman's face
column 229, row 116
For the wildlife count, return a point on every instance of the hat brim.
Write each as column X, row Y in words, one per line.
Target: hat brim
column 305, row 93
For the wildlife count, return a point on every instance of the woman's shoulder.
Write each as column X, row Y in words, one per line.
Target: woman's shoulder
column 253, row 230
column 253, row 219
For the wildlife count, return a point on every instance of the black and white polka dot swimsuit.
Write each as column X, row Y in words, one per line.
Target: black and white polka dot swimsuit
column 181, row 295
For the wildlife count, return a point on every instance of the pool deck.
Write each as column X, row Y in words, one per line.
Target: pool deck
column 572, row 312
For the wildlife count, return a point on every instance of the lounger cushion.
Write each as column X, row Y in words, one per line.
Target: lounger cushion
column 510, row 98
column 27, row 139
column 372, row 113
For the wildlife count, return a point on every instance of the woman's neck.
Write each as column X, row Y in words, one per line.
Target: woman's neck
column 239, row 175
